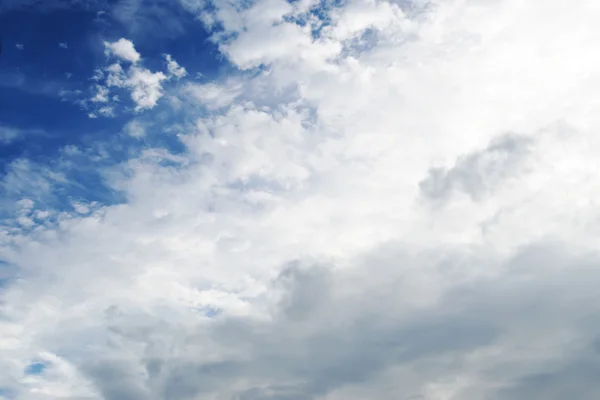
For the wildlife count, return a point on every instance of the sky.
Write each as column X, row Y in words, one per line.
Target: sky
column 299, row 200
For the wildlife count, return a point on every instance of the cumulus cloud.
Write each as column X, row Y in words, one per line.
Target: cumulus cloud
column 289, row 250
column 145, row 87
column 122, row 49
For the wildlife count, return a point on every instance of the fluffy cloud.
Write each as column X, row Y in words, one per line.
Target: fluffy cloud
column 400, row 203
column 144, row 86
column 123, row 49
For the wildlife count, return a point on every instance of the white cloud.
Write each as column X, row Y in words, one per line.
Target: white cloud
column 123, row 49
column 144, row 86
column 135, row 129
column 63, row 45
column 174, row 68
column 101, row 95
column 107, row 111
column 213, row 95
column 20, row 46
column 408, row 216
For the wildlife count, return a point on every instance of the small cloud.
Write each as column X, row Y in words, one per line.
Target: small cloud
column 19, row 46
column 107, row 111
column 63, row 45
column 174, row 68
column 135, row 129
column 81, row 208
column 146, row 87
column 8, row 135
column 68, row 75
column 122, row 49
column 25, row 222
column 25, row 204
column 101, row 94
column 42, row 215
column 98, row 75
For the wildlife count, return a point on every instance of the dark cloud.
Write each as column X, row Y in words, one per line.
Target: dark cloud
column 323, row 339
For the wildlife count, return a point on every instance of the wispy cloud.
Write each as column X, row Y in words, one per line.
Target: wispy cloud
column 9, row 134
column 174, row 68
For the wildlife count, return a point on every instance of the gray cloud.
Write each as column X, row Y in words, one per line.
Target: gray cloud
column 478, row 173
column 325, row 337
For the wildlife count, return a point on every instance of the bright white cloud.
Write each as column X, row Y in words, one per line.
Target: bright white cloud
column 123, row 49
column 145, row 87
column 400, row 205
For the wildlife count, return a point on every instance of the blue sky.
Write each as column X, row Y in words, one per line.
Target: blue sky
column 304, row 199
column 52, row 51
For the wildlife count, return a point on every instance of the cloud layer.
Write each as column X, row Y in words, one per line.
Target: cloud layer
column 386, row 200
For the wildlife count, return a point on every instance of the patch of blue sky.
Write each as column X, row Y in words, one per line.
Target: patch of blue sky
column 7, row 393
column 213, row 312
column 210, row 311
column 319, row 16
column 35, row 368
